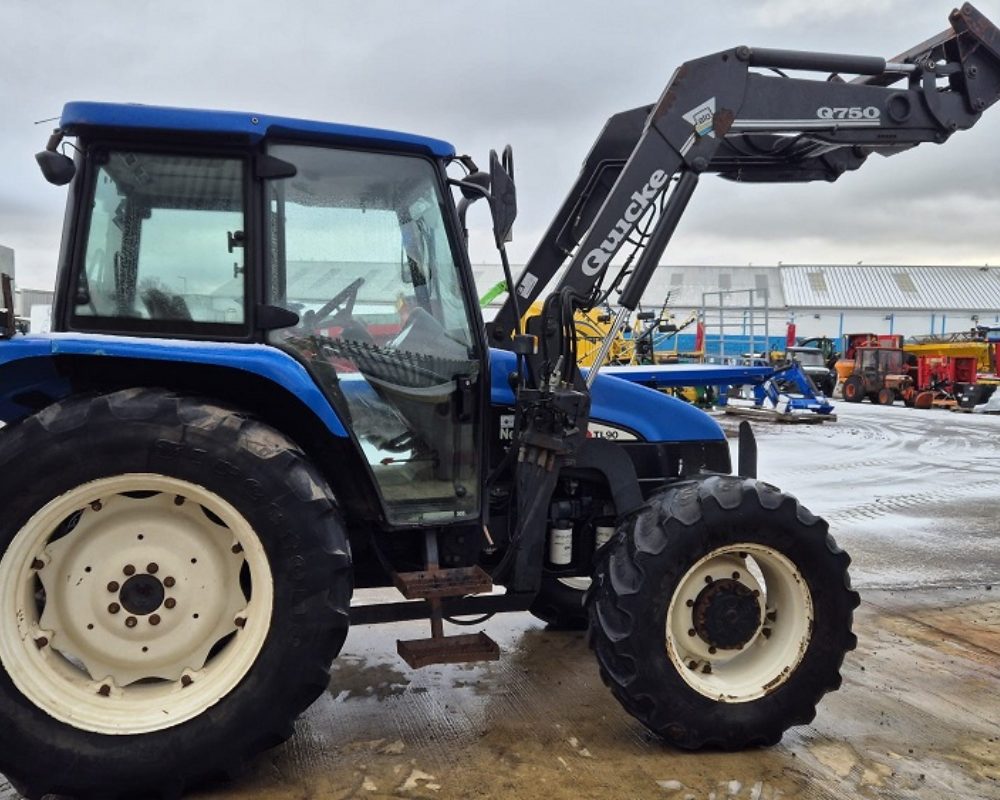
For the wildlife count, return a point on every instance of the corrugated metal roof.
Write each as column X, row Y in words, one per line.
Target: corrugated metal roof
column 687, row 284
column 931, row 288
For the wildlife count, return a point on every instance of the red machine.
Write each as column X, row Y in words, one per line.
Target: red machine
column 852, row 341
column 943, row 372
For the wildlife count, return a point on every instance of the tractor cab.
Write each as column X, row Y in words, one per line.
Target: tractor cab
column 339, row 246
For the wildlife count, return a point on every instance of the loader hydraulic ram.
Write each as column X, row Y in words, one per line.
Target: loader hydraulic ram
column 269, row 384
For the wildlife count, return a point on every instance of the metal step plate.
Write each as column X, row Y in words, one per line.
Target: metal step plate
column 448, row 650
column 443, row 582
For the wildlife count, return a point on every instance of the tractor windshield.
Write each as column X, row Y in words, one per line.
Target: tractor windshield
column 360, row 251
column 807, row 358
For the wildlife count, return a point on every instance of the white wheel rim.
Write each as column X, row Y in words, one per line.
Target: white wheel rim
column 141, row 622
column 776, row 627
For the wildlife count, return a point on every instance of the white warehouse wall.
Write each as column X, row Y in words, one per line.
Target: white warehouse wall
column 908, row 323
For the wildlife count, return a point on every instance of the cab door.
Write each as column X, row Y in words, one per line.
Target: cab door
column 361, row 250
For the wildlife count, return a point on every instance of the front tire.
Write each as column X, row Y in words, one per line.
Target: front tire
column 175, row 580
column 721, row 614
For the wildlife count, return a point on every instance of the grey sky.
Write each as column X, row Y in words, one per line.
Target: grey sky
column 543, row 76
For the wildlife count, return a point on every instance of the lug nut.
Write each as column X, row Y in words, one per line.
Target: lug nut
column 691, row 631
column 131, row 622
column 41, row 642
column 712, row 651
column 96, row 505
column 129, row 569
column 237, row 548
column 736, row 576
column 766, row 633
column 692, row 665
column 168, row 582
column 186, row 680
column 114, row 608
column 240, row 622
column 37, row 564
column 689, row 603
column 104, row 691
column 169, row 602
column 113, row 586
column 707, row 669
column 152, row 568
column 178, row 501
column 708, row 579
column 154, row 619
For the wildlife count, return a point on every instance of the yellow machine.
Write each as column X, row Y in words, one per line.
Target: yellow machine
column 591, row 328
column 955, row 346
column 593, row 325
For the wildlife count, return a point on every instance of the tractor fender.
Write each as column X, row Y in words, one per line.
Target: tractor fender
column 36, row 370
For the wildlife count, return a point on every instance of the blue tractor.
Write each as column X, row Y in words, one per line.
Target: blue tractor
column 269, row 384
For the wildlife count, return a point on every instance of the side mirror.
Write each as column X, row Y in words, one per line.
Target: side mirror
column 478, row 178
column 502, row 194
column 476, row 185
column 57, row 168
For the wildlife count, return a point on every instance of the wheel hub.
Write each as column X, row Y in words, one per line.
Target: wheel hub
column 142, row 594
column 727, row 614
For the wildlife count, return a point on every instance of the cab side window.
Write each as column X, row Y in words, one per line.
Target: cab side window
column 165, row 245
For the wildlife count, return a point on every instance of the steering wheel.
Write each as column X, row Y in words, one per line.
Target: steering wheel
column 338, row 310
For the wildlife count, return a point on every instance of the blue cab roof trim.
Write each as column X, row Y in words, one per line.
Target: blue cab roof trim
column 81, row 114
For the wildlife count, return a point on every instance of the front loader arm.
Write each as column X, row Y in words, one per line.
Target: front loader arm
column 716, row 115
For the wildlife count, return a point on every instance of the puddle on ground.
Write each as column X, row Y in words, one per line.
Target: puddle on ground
column 353, row 678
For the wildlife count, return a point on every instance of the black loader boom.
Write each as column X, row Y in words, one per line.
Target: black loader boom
column 718, row 114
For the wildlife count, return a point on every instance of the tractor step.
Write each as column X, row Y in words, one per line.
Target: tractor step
column 448, row 650
column 443, row 582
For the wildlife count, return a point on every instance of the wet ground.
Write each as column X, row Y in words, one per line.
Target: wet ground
column 912, row 495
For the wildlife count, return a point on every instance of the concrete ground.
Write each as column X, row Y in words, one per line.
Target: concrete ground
column 912, row 495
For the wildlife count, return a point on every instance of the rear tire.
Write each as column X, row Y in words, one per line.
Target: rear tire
column 676, row 587
column 854, row 389
column 227, row 536
column 886, row 397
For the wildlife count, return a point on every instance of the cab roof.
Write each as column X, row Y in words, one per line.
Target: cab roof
column 79, row 116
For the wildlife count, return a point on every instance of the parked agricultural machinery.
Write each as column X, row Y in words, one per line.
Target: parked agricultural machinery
column 955, row 369
column 879, row 374
column 222, row 439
